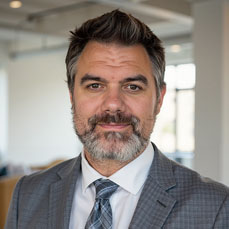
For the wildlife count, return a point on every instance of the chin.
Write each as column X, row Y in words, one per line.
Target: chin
column 115, row 147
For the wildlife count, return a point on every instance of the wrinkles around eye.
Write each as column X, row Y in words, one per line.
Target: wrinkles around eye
column 133, row 87
column 94, row 86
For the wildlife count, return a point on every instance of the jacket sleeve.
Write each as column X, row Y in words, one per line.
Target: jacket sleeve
column 12, row 218
column 222, row 219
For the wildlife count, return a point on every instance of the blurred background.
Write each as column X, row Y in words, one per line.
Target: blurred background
column 35, row 111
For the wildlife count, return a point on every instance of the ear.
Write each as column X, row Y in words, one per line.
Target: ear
column 71, row 96
column 161, row 98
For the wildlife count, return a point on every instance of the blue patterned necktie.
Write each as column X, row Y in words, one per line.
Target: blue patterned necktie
column 101, row 214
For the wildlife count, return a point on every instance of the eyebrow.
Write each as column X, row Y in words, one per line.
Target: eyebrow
column 139, row 77
column 88, row 77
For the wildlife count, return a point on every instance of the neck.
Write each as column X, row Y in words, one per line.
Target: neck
column 106, row 167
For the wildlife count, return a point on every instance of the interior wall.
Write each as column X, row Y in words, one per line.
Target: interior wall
column 225, row 86
column 40, row 122
column 212, row 86
column 3, row 101
column 3, row 115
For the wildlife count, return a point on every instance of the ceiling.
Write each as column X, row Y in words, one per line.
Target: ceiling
column 48, row 22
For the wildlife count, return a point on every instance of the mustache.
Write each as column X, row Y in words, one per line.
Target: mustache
column 114, row 118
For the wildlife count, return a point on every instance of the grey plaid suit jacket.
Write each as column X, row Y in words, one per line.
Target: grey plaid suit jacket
column 173, row 197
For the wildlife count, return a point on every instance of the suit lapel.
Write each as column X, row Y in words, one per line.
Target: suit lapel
column 61, row 195
column 155, row 204
column 153, row 207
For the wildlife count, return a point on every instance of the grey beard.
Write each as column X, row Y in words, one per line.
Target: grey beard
column 115, row 146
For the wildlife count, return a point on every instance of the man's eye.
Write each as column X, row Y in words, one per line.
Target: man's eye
column 94, row 86
column 133, row 87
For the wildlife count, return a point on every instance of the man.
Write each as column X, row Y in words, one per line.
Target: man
column 115, row 68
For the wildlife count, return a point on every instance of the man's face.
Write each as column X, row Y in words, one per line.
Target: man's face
column 114, row 100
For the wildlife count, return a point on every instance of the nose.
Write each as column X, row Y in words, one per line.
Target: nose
column 113, row 101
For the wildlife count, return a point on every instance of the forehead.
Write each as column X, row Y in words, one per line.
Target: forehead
column 111, row 55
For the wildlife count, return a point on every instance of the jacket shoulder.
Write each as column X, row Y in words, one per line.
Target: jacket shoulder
column 51, row 175
column 198, row 200
column 189, row 181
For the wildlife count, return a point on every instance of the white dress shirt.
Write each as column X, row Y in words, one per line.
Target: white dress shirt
column 130, row 179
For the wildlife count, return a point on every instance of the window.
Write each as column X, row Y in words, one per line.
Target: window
column 174, row 129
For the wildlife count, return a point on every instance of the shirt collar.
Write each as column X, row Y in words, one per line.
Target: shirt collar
column 131, row 177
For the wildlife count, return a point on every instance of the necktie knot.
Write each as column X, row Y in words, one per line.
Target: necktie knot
column 104, row 188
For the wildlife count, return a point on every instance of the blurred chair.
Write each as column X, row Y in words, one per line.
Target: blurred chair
column 7, row 185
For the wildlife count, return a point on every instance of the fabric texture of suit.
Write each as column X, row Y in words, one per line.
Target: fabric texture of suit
column 173, row 197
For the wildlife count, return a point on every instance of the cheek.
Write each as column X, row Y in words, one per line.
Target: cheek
column 85, row 106
column 81, row 116
column 143, row 109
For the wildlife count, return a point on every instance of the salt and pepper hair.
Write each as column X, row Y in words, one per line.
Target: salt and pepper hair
column 120, row 28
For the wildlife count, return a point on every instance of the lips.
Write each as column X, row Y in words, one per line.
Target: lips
column 117, row 122
column 113, row 126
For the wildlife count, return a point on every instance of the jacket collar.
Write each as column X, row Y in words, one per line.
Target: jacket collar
column 152, row 209
column 62, row 193
column 155, row 202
